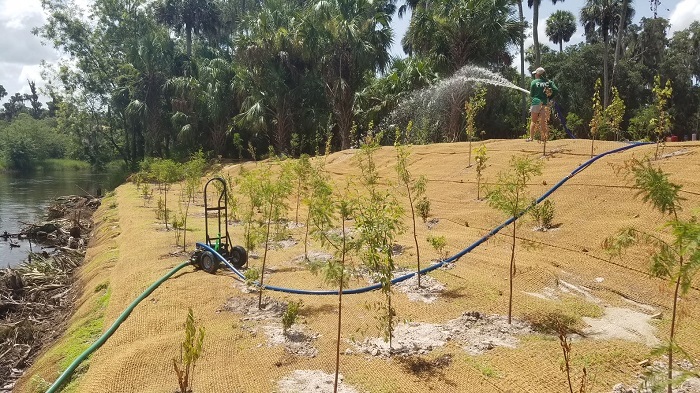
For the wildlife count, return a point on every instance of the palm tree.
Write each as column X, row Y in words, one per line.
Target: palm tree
column 535, row 5
column 348, row 39
column 272, row 69
column 561, row 25
column 599, row 18
column 621, row 26
column 523, row 98
column 192, row 16
column 453, row 34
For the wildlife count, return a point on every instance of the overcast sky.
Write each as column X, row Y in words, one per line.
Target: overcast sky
column 21, row 52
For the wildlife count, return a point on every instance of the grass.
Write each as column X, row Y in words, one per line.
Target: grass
column 64, row 164
column 484, row 368
column 88, row 322
column 78, row 338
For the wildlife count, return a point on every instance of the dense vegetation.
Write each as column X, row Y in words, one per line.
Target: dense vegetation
column 167, row 78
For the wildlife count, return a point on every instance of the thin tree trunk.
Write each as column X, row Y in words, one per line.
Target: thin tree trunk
column 606, row 81
column 340, row 310
column 673, row 330
column 561, row 46
column 189, row 41
column 262, row 270
column 522, row 62
column 470, row 150
column 415, row 234
column 510, row 283
column 512, row 263
column 296, row 217
column 618, row 42
column 184, row 234
column 535, row 34
column 306, row 236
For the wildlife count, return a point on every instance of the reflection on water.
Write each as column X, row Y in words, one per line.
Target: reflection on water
column 24, row 198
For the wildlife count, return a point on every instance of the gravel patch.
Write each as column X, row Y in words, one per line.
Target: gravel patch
column 303, row 381
column 248, row 307
column 297, row 341
column 473, row 331
column 428, row 292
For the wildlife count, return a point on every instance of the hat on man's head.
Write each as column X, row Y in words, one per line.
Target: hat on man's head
column 539, row 70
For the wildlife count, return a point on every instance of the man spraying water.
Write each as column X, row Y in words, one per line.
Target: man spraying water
column 541, row 91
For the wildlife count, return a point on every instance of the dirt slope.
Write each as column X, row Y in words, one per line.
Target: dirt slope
column 561, row 268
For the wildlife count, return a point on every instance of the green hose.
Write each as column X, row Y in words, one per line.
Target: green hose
column 69, row 371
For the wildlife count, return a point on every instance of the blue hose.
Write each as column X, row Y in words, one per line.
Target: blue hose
column 438, row 264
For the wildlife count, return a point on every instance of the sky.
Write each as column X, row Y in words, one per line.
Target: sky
column 21, row 53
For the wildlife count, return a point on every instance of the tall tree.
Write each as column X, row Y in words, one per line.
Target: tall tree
column 621, row 26
column 272, row 71
column 349, row 39
column 523, row 98
column 561, row 25
column 14, row 106
column 535, row 5
column 190, row 16
column 33, row 98
column 599, row 18
column 453, row 34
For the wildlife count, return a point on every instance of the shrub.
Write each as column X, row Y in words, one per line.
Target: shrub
column 543, row 214
column 190, row 350
column 290, row 315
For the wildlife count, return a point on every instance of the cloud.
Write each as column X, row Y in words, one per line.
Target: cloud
column 685, row 13
column 22, row 52
column 13, row 14
column 20, row 46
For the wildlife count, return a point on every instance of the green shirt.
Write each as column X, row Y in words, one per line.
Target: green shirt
column 537, row 87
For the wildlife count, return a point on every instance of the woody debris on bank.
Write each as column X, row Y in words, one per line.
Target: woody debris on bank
column 36, row 297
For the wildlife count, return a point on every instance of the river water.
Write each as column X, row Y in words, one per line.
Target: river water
column 24, row 199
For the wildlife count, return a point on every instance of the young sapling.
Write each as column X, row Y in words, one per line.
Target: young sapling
column 676, row 259
column 190, row 351
column 471, row 108
column 413, row 188
column 481, row 158
column 509, row 196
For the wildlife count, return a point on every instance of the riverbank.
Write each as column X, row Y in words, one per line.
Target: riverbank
column 450, row 339
column 37, row 296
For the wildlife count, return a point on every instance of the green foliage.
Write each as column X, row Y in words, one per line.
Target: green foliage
column 543, row 214
column 614, row 114
column 662, row 123
column 414, row 189
column 274, row 191
column 302, row 169
column 238, row 144
column 290, row 315
column 378, row 223
column 423, row 207
column 509, row 196
column 190, row 351
column 597, row 121
column 250, row 186
column 642, row 125
column 251, row 276
column 481, row 158
column 165, row 172
column 146, row 194
column 26, row 143
column 439, row 243
column 675, row 253
column 472, row 106
column 575, row 123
